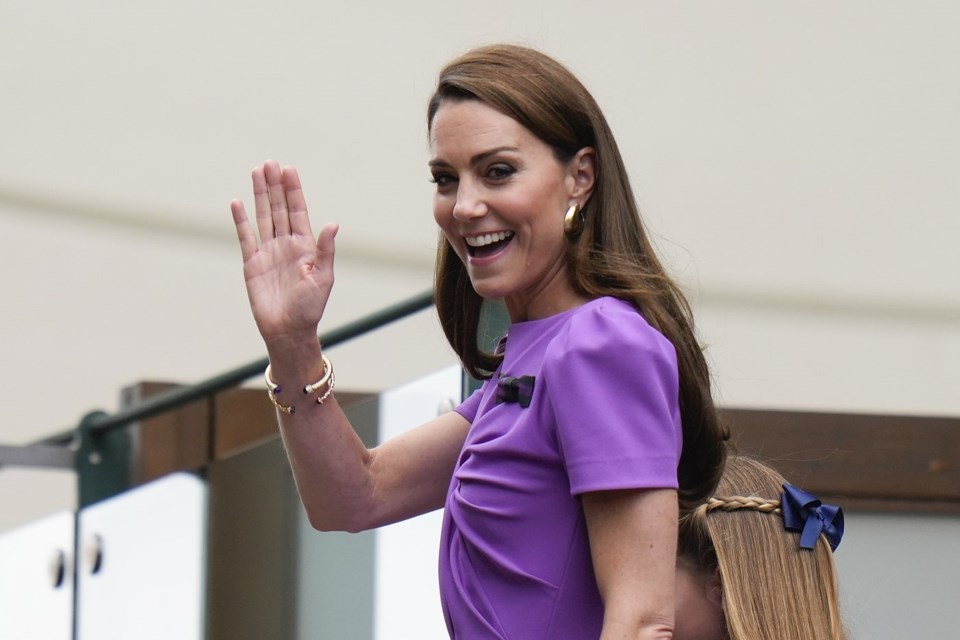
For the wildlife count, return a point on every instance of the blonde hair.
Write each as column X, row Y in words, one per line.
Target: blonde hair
column 772, row 588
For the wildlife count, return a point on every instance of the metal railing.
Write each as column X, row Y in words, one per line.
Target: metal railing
column 60, row 450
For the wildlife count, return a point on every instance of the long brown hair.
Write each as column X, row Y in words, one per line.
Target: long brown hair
column 772, row 589
column 611, row 257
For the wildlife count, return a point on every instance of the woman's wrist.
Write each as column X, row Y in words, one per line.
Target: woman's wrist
column 324, row 386
column 295, row 355
column 291, row 344
column 298, row 371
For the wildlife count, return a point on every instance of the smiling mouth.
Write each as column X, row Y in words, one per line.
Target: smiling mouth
column 488, row 244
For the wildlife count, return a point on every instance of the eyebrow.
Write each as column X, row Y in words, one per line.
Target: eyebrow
column 477, row 159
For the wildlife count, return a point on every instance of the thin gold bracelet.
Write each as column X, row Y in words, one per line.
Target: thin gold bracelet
column 272, row 390
column 326, row 394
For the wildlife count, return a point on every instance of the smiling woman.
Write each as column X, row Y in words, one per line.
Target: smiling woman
column 500, row 191
column 560, row 476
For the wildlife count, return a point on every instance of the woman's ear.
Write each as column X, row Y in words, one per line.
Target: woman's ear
column 583, row 174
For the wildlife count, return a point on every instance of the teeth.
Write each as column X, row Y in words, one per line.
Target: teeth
column 490, row 238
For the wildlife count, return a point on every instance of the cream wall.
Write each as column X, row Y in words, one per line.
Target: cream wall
column 797, row 163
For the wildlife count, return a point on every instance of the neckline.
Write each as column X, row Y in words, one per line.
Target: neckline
column 525, row 327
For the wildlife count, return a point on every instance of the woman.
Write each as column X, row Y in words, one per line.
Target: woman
column 746, row 572
column 596, row 410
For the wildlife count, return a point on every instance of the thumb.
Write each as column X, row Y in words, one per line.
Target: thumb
column 325, row 241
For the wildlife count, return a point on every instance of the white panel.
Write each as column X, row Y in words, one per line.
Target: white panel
column 407, row 600
column 150, row 583
column 32, row 605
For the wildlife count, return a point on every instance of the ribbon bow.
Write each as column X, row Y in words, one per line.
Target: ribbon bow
column 805, row 513
column 519, row 390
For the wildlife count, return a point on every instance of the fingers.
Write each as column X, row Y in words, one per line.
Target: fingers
column 296, row 203
column 278, row 198
column 245, row 234
column 261, row 200
column 281, row 207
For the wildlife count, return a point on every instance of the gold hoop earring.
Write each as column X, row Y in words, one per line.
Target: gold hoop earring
column 573, row 221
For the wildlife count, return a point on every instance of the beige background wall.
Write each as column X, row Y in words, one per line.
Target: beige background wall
column 797, row 163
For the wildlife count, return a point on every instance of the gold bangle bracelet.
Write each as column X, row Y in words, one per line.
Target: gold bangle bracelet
column 272, row 390
column 327, row 372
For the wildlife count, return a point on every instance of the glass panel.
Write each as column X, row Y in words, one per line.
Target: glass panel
column 142, row 563
column 407, row 597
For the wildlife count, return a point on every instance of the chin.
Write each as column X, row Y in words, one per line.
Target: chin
column 488, row 290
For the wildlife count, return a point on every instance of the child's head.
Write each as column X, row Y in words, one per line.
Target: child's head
column 738, row 564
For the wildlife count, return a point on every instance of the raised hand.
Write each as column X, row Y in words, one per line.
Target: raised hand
column 289, row 276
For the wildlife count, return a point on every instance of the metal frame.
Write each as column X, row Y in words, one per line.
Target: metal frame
column 99, row 449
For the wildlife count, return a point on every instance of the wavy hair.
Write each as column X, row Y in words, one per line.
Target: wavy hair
column 611, row 257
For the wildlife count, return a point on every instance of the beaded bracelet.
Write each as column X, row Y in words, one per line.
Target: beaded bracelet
column 326, row 394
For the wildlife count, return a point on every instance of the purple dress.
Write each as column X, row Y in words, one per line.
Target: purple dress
column 603, row 414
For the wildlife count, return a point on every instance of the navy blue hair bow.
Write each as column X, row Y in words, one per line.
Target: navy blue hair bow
column 805, row 513
column 520, row 390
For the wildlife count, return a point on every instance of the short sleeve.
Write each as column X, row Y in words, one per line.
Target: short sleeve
column 613, row 384
column 469, row 407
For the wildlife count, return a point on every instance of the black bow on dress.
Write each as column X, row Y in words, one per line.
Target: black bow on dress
column 519, row 390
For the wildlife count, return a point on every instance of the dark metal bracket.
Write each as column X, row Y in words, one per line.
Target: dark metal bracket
column 37, row 455
column 103, row 460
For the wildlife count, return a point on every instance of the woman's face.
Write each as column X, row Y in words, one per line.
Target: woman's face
column 698, row 601
column 500, row 200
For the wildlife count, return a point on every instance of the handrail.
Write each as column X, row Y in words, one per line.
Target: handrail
column 102, row 423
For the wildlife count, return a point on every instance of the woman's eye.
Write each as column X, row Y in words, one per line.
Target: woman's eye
column 500, row 171
column 442, row 179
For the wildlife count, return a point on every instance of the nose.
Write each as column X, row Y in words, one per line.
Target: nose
column 470, row 203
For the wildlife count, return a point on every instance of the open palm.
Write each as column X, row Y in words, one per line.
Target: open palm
column 288, row 275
